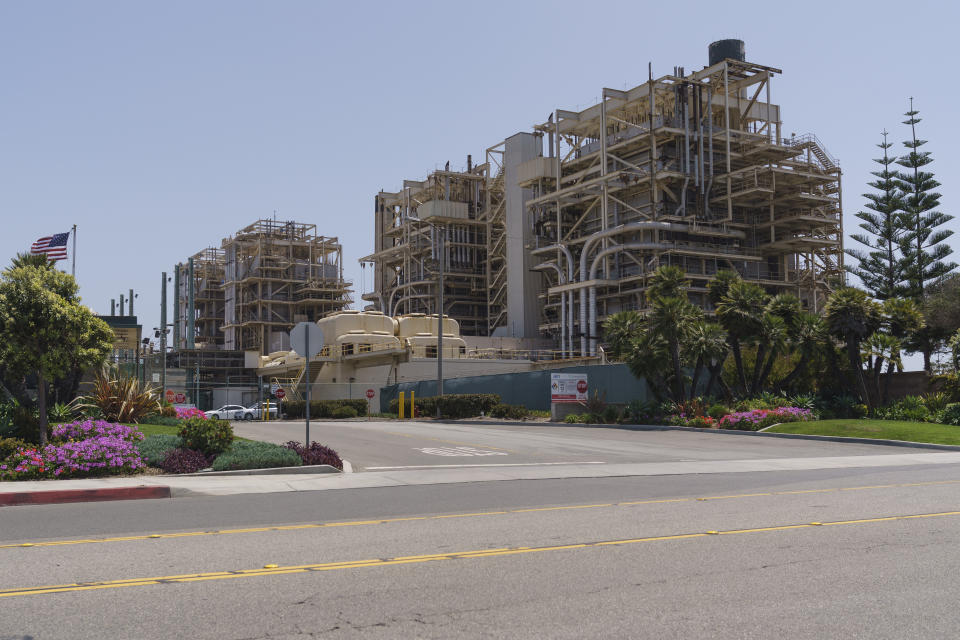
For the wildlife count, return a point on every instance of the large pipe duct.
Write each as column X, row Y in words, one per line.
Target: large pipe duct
column 646, row 225
column 630, row 246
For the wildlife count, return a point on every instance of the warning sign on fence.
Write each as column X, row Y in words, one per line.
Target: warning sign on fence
column 568, row 387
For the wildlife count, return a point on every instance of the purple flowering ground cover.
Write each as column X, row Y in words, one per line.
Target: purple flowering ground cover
column 80, row 449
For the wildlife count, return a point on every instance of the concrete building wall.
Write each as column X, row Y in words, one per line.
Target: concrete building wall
column 522, row 284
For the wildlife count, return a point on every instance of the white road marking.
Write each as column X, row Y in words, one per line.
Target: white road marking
column 493, row 464
column 457, row 451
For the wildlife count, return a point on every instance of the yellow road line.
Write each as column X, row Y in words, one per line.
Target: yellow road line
column 457, row 555
column 356, row 523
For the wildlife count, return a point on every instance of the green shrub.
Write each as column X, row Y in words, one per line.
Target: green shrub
column 936, row 401
column 9, row 445
column 245, row 454
column 154, row 449
column 162, row 420
column 509, row 411
column 210, row 437
column 717, row 411
column 454, row 406
column 573, row 418
column 344, row 412
column 950, row 415
column 322, row 408
column 539, row 413
column 611, row 415
column 702, row 422
column 909, row 408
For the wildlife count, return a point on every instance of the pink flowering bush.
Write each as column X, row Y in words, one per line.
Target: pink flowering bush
column 82, row 430
column 192, row 412
column 763, row 418
column 26, row 463
column 78, row 450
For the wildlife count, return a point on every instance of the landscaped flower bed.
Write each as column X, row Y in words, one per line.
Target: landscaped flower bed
column 79, row 449
column 763, row 418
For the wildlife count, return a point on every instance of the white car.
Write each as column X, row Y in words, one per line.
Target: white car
column 229, row 412
column 253, row 411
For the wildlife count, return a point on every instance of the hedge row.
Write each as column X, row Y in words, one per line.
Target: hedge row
column 465, row 405
column 323, row 408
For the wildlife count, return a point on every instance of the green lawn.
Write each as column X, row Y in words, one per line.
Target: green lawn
column 883, row 429
column 151, row 429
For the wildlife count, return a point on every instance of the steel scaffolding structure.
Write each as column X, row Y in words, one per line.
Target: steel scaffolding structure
column 689, row 169
column 278, row 273
column 406, row 260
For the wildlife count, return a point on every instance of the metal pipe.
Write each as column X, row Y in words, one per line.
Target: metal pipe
column 706, row 201
column 686, row 156
column 563, row 303
column 191, row 312
column 632, row 246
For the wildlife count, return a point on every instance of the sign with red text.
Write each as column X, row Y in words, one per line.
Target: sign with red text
column 568, row 387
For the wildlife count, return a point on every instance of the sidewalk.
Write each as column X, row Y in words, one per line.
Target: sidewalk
column 140, row 487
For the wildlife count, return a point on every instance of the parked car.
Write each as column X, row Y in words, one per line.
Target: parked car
column 229, row 412
column 253, row 412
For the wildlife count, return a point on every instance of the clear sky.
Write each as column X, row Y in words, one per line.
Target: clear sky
column 160, row 128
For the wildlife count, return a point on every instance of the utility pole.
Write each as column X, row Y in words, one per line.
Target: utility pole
column 163, row 332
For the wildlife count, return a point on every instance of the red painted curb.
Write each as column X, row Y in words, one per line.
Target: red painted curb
column 82, row 495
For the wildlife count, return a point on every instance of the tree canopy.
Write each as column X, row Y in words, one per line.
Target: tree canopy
column 45, row 331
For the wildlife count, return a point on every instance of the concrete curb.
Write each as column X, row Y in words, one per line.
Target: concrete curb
column 729, row 432
column 272, row 471
column 60, row 496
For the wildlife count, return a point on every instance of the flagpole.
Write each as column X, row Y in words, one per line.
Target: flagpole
column 73, row 265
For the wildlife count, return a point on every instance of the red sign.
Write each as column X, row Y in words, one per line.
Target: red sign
column 280, row 393
column 171, row 396
column 181, row 398
column 582, row 386
column 371, row 393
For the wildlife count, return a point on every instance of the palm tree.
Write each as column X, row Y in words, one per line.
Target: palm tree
column 672, row 318
column 31, row 260
column 740, row 311
column 666, row 282
column 772, row 340
column 808, row 336
column 705, row 345
column 620, row 330
column 648, row 359
column 852, row 316
column 880, row 347
column 720, row 284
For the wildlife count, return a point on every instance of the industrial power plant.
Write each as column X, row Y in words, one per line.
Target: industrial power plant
column 527, row 250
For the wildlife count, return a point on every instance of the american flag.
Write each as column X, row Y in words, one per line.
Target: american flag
column 55, row 246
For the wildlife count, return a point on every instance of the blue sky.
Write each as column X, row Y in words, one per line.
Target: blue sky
column 160, row 128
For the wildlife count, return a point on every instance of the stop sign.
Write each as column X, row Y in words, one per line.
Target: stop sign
column 170, row 395
column 280, row 393
column 582, row 386
column 181, row 398
column 370, row 393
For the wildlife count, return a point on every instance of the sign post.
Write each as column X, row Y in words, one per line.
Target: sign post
column 301, row 336
column 370, row 394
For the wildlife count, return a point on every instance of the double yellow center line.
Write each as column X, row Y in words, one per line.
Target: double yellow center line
column 273, row 570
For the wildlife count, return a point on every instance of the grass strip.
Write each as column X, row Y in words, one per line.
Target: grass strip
column 881, row 429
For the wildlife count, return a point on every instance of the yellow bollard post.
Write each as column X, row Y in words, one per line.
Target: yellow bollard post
column 401, row 405
column 413, row 409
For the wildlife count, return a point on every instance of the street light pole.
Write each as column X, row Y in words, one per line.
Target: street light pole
column 440, row 232
column 441, row 254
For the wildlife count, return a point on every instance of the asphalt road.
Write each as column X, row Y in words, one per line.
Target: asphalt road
column 576, row 558
column 391, row 445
